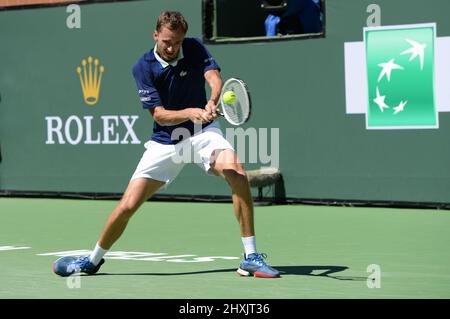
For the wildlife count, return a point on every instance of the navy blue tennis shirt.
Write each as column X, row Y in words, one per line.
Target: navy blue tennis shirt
column 176, row 85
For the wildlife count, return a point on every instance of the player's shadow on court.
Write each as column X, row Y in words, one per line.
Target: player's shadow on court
column 316, row 271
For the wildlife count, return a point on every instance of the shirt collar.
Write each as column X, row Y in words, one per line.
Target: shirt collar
column 165, row 64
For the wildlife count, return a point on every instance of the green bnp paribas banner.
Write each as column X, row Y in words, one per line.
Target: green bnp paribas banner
column 400, row 72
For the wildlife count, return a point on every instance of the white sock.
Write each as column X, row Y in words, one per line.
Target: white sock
column 249, row 245
column 97, row 254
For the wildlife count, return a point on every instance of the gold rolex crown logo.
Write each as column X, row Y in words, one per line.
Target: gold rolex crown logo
column 91, row 79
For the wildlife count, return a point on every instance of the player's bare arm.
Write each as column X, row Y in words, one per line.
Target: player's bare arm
column 166, row 117
column 215, row 82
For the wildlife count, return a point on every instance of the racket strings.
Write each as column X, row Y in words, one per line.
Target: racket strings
column 238, row 111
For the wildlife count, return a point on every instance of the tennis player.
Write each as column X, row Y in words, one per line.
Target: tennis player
column 171, row 83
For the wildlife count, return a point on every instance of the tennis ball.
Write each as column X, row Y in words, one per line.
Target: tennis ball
column 229, row 97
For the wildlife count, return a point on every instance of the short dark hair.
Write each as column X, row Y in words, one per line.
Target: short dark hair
column 173, row 20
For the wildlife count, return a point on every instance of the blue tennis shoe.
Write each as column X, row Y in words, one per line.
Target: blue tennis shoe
column 254, row 264
column 68, row 265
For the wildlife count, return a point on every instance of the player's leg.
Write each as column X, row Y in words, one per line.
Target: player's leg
column 225, row 163
column 155, row 169
column 137, row 192
column 216, row 156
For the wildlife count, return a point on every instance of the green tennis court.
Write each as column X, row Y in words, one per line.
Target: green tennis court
column 191, row 250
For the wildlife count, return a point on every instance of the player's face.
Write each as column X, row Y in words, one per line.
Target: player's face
column 169, row 43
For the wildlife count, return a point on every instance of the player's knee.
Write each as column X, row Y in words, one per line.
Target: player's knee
column 235, row 176
column 127, row 208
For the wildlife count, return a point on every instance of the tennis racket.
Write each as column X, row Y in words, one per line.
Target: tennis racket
column 238, row 112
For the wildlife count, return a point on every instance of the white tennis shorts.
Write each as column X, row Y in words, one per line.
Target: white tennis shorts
column 164, row 162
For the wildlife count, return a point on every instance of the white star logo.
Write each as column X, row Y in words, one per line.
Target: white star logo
column 417, row 50
column 387, row 69
column 379, row 100
column 400, row 107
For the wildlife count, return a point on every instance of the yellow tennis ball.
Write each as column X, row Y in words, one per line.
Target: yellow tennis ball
column 229, row 97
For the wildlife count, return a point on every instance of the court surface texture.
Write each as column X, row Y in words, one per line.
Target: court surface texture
column 174, row 250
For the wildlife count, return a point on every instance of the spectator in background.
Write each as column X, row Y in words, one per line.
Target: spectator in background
column 300, row 16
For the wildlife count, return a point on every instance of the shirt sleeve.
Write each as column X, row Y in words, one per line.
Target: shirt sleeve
column 206, row 60
column 147, row 92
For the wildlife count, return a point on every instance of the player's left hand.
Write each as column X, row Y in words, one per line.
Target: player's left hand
column 211, row 108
